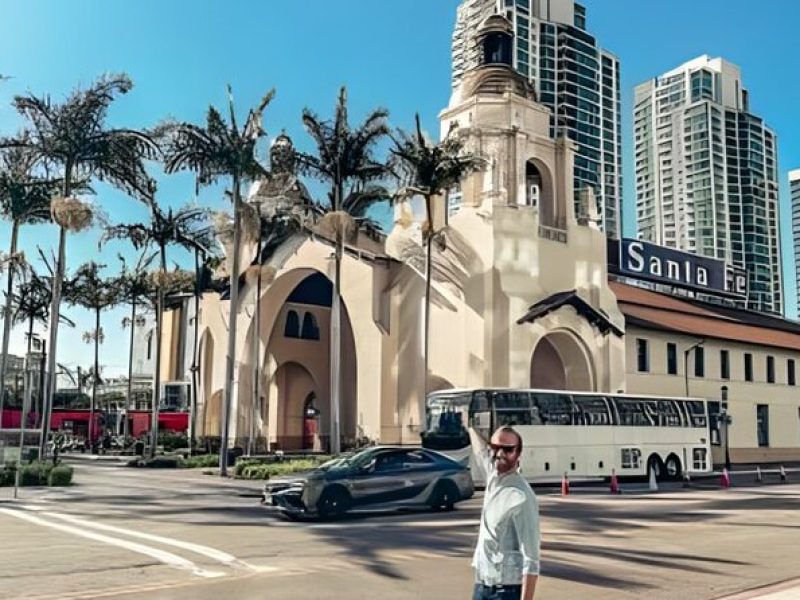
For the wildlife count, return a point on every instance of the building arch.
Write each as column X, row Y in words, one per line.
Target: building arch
column 560, row 361
column 206, row 382
column 540, row 192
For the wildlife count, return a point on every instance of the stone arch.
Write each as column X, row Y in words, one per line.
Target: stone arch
column 294, row 384
column 540, row 192
column 306, row 292
column 560, row 361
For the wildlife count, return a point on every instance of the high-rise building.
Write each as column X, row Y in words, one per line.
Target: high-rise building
column 706, row 173
column 572, row 76
column 794, row 186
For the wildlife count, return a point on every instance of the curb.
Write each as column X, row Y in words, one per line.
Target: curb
column 783, row 590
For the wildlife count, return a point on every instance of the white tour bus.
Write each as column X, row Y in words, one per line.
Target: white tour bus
column 582, row 434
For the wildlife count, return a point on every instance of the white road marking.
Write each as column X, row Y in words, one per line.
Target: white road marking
column 212, row 553
column 169, row 559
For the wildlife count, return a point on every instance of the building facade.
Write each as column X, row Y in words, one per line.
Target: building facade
column 794, row 186
column 521, row 298
column 706, row 173
column 572, row 76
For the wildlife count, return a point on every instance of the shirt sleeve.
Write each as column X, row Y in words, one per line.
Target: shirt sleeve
column 526, row 522
column 480, row 451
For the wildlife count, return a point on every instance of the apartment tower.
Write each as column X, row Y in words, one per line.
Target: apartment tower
column 706, row 173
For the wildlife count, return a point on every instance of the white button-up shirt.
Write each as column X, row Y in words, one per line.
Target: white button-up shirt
column 508, row 539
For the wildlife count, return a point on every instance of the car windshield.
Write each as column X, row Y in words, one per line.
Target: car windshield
column 350, row 459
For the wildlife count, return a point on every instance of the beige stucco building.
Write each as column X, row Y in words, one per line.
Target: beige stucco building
column 520, row 298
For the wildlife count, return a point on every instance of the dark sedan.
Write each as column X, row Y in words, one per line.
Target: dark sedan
column 390, row 477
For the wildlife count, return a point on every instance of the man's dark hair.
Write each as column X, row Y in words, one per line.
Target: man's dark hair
column 509, row 429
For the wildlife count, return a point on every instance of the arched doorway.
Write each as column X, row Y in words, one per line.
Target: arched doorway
column 208, row 426
column 560, row 362
column 299, row 348
column 539, row 193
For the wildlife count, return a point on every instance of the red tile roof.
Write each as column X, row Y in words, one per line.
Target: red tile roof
column 661, row 311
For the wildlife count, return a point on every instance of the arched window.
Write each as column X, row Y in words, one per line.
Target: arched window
column 292, row 329
column 310, row 327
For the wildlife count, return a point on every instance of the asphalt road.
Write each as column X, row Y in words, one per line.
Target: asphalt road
column 129, row 533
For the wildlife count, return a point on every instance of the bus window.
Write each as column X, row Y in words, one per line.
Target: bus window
column 669, row 413
column 592, row 410
column 632, row 413
column 697, row 413
column 553, row 408
column 512, row 408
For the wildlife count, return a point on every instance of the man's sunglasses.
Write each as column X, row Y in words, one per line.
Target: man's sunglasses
column 503, row 447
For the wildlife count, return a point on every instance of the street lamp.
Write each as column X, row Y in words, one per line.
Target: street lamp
column 725, row 418
column 686, row 363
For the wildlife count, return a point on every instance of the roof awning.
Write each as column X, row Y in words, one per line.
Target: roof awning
column 551, row 303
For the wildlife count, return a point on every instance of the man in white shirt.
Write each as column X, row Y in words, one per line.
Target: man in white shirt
column 506, row 558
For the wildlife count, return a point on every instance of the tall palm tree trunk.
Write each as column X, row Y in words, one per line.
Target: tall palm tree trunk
column 92, row 404
column 156, row 398
column 428, row 273
column 234, row 309
column 7, row 316
column 195, row 345
column 256, row 349
column 336, row 334
column 129, row 397
column 26, row 402
column 55, row 310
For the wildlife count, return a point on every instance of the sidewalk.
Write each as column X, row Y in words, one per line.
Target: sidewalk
column 786, row 590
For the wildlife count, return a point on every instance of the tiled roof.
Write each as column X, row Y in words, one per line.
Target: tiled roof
column 656, row 310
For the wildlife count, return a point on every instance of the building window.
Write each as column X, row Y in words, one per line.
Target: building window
column 699, row 362
column 631, row 458
column 748, row 367
column 790, row 372
column 642, row 356
column 762, row 425
column 310, row 327
column 292, row 329
column 770, row 369
column 724, row 364
column 672, row 359
column 699, row 459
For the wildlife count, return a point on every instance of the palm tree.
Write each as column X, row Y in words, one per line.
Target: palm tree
column 72, row 140
column 187, row 227
column 344, row 160
column 430, row 170
column 96, row 293
column 221, row 149
column 135, row 290
column 24, row 200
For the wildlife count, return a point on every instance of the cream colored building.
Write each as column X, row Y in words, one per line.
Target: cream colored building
column 521, row 298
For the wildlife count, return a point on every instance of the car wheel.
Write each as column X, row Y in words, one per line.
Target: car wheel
column 444, row 495
column 333, row 502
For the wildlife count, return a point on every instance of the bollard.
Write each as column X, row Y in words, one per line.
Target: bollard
column 565, row 485
column 614, row 482
column 653, row 483
column 725, row 480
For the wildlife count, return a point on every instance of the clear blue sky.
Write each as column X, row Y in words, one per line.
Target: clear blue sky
column 181, row 54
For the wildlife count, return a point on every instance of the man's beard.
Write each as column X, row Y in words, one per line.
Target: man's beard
column 503, row 464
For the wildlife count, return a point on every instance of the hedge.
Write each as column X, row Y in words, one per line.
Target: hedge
column 60, row 475
column 202, row 461
column 254, row 469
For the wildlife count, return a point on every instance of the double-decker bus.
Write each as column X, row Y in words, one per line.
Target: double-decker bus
column 582, row 434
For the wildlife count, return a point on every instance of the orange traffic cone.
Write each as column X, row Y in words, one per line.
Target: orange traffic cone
column 614, row 482
column 565, row 485
column 725, row 480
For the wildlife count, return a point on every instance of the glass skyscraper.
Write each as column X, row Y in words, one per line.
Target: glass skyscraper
column 572, row 76
column 794, row 186
column 706, row 173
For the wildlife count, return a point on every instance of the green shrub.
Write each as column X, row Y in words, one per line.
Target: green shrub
column 202, row 461
column 170, row 440
column 255, row 469
column 7, row 476
column 60, row 475
column 36, row 473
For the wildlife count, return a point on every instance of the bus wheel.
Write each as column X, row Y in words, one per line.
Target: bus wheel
column 673, row 467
